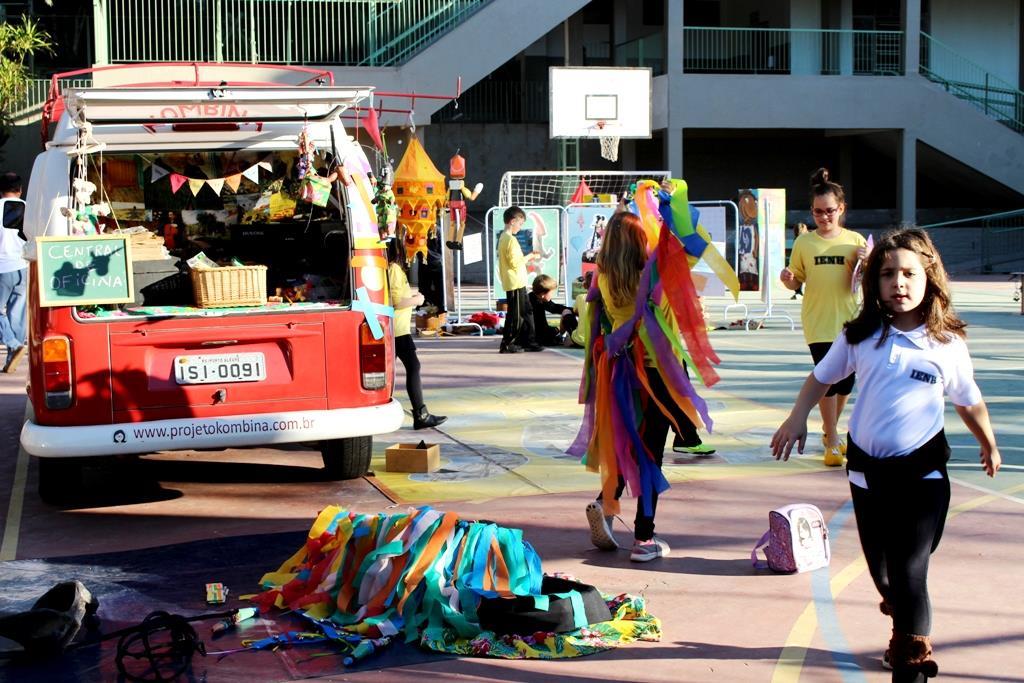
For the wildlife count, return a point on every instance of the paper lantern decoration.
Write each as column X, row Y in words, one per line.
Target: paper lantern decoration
column 420, row 193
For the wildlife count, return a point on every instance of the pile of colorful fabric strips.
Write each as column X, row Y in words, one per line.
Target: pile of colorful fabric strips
column 422, row 575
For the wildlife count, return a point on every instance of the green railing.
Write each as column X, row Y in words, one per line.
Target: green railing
column 648, row 51
column 29, row 106
column 1002, row 237
column 972, row 83
column 303, row 32
column 792, row 51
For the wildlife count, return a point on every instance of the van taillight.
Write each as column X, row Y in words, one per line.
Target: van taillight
column 372, row 359
column 57, row 372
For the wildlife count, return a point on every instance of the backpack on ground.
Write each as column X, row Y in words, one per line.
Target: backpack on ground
column 796, row 540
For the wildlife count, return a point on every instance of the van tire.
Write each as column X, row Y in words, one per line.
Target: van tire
column 347, row 458
column 60, row 479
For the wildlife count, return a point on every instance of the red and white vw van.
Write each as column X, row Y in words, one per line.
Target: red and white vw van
column 206, row 158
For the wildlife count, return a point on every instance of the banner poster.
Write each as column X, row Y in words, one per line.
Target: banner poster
column 712, row 218
column 584, row 231
column 748, row 252
column 771, row 218
column 540, row 236
column 762, row 236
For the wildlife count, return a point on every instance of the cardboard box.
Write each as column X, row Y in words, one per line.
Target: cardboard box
column 407, row 457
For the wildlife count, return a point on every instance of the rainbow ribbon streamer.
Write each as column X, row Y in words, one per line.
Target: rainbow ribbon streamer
column 667, row 331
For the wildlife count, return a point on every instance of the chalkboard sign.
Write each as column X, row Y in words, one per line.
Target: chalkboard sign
column 75, row 271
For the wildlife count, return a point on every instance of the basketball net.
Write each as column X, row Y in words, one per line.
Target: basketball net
column 609, row 144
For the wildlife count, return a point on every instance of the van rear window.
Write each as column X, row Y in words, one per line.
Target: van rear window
column 224, row 209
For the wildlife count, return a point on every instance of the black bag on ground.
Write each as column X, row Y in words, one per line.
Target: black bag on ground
column 522, row 615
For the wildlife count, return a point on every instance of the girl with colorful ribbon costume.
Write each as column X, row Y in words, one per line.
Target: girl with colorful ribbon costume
column 634, row 381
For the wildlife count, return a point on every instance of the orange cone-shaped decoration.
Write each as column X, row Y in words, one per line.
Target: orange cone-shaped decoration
column 420, row 192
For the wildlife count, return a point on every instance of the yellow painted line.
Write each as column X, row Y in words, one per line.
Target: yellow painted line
column 791, row 659
column 9, row 547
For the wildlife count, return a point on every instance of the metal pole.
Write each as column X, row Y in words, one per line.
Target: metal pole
column 218, row 31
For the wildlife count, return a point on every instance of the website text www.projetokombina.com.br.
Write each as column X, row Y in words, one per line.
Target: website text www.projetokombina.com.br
column 199, row 429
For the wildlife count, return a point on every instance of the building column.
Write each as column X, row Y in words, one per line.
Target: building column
column 806, row 50
column 846, row 39
column 673, row 146
column 100, row 55
column 911, row 11
column 618, row 30
column 906, row 176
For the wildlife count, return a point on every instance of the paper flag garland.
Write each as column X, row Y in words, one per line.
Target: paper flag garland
column 177, row 180
column 216, row 184
column 252, row 173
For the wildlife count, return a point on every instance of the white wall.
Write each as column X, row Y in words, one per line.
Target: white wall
column 984, row 31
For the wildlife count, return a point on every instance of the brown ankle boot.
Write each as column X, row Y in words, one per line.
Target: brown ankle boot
column 910, row 654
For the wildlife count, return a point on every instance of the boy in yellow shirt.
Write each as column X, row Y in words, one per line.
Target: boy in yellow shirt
column 517, row 334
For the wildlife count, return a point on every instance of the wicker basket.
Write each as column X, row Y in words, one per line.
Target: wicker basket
column 230, row 286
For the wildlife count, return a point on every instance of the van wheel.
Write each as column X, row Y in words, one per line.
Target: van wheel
column 60, row 479
column 347, row 458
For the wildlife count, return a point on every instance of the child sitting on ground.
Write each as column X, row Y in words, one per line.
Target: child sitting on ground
column 544, row 288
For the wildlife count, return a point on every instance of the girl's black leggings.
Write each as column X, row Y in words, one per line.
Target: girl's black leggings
column 406, row 352
column 900, row 526
column 653, row 431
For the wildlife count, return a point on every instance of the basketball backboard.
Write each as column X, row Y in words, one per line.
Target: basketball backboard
column 593, row 102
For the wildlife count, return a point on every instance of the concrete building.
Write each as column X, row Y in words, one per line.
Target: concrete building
column 915, row 105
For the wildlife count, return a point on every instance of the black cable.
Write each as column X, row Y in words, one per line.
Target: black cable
column 172, row 653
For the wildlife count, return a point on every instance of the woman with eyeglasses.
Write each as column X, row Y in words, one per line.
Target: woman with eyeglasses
column 823, row 262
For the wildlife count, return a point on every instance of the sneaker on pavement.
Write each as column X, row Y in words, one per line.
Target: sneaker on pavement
column 600, row 527
column 834, row 457
column 511, row 348
column 533, row 348
column 887, row 660
column 697, row 449
column 645, row 551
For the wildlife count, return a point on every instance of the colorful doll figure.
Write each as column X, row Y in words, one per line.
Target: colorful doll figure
column 387, row 208
column 458, row 193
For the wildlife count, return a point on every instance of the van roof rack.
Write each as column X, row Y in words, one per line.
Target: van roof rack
column 182, row 75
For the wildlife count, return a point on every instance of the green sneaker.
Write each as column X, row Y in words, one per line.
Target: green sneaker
column 699, row 449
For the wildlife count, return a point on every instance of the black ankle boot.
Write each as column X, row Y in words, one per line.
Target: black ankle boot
column 422, row 419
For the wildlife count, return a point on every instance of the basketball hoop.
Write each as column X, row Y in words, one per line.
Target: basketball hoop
column 609, row 143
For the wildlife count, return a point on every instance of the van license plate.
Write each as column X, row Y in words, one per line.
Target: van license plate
column 227, row 367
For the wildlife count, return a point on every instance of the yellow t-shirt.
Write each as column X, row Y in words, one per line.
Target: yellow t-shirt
column 580, row 335
column 825, row 266
column 511, row 262
column 620, row 315
column 399, row 289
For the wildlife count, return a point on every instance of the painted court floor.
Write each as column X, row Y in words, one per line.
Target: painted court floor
column 510, row 419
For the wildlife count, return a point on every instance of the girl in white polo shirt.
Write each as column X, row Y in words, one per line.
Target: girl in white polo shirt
column 908, row 350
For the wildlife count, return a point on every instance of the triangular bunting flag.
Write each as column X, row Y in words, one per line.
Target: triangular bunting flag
column 157, row 172
column 232, row 181
column 252, row 173
column 195, row 184
column 266, row 165
column 216, row 184
column 177, row 180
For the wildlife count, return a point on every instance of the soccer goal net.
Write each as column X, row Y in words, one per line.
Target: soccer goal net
column 558, row 188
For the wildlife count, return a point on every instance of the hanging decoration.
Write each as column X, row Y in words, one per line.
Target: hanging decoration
column 216, row 184
column 458, row 193
column 419, row 190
